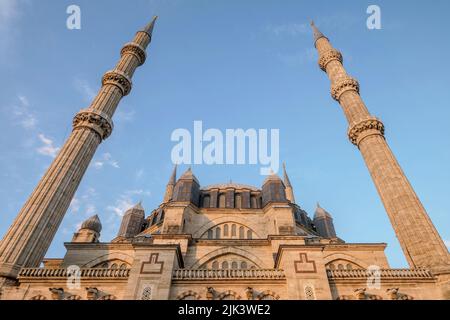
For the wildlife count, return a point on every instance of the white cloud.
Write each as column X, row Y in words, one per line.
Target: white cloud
column 139, row 174
column 105, row 159
column 298, row 58
column 75, row 205
column 85, row 89
column 290, row 29
column 48, row 148
column 22, row 114
column 127, row 200
column 447, row 243
column 124, row 116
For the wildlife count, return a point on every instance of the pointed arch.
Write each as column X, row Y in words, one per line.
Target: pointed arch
column 108, row 257
column 346, row 257
column 229, row 293
column 230, row 250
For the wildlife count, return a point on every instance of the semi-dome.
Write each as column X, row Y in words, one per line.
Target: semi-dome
column 93, row 223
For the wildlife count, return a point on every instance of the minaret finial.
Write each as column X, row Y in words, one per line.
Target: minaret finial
column 316, row 32
column 286, row 181
column 149, row 27
column 173, row 177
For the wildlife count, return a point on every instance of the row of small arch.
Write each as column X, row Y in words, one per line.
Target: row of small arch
column 255, row 202
column 216, row 233
column 233, row 264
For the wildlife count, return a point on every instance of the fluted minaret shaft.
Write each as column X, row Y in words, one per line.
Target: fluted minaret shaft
column 30, row 235
column 419, row 239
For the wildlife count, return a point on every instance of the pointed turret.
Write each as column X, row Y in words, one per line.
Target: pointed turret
column 170, row 185
column 89, row 230
column 273, row 189
column 324, row 223
column 187, row 188
column 149, row 27
column 132, row 221
column 287, row 183
column 317, row 33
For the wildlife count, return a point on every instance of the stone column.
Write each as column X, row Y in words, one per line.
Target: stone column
column 32, row 232
column 421, row 243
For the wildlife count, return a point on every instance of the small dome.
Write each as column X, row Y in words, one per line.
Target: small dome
column 93, row 223
column 321, row 213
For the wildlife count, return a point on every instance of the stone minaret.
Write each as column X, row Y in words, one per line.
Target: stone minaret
column 29, row 237
column 287, row 183
column 421, row 243
column 170, row 186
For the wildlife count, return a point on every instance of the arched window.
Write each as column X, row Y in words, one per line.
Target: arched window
column 237, row 201
column 332, row 266
column 210, row 234
column 243, row 265
column 233, row 230
column 206, row 201
column 249, row 234
column 215, row 265
column 224, row 265
column 154, row 218
column 241, row 232
column 225, row 230
column 123, row 266
column 234, row 265
column 340, row 266
column 349, row 266
column 147, row 294
column 218, row 233
column 114, row 266
column 161, row 216
column 222, row 200
column 253, row 202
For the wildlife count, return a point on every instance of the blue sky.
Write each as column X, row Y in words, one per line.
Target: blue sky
column 231, row 64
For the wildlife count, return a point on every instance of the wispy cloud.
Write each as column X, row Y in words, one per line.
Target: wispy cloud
column 48, row 148
column 85, row 89
column 22, row 114
column 84, row 203
column 127, row 200
column 298, row 58
column 105, row 159
column 10, row 12
column 124, row 116
column 289, row 29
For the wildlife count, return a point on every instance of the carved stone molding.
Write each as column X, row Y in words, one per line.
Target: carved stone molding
column 344, row 85
column 365, row 128
column 118, row 79
column 94, row 120
column 329, row 56
column 136, row 50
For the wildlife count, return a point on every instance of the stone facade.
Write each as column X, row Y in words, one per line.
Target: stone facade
column 223, row 241
column 223, row 245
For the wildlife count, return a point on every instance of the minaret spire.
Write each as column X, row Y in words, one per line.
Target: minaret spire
column 420, row 241
column 149, row 27
column 171, row 185
column 287, row 183
column 316, row 32
column 30, row 235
